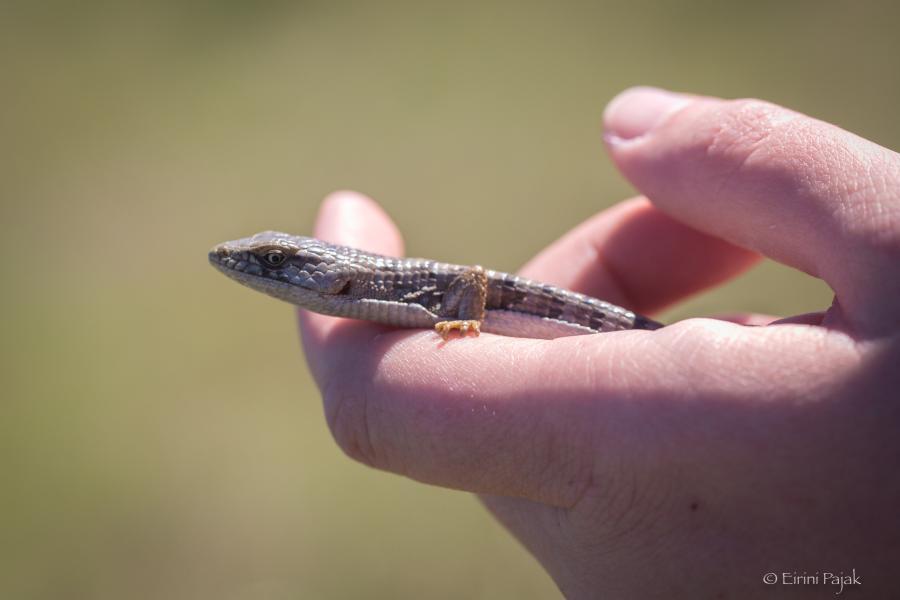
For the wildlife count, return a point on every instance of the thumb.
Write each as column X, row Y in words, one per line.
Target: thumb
column 796, row 189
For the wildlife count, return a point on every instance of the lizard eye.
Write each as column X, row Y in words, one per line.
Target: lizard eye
column 274, row 258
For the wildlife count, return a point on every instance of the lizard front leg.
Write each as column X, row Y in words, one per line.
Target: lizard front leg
column 465, row 299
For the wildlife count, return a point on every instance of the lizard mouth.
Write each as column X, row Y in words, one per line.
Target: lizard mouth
column 237, row 265
column 226, row 259
column 219, row 255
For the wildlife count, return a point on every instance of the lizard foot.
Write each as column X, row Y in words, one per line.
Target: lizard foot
column 445, row 327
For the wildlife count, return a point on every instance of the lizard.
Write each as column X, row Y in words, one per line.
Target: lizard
column 412, row 292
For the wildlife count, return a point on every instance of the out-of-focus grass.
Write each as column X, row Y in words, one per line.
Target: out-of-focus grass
column 160, row 435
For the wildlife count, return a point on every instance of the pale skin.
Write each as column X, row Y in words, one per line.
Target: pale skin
column 686, row 462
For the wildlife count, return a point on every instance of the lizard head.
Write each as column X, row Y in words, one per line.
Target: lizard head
column 301, row 270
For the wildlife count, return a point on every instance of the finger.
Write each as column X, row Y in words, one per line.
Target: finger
column 550, row 420
column 801, row 191
column 636, row 256
column 459, row 414
column 351, row 219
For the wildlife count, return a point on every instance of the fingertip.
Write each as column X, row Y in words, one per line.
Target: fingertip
column 638, row 110
column 335, row 199
column 352, row 219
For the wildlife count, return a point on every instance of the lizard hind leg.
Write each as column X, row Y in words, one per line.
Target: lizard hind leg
column 464, row 299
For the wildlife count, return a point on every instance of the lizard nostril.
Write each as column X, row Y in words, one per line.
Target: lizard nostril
column 218, row 254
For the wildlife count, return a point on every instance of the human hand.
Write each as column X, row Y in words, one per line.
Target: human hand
column 688, row 461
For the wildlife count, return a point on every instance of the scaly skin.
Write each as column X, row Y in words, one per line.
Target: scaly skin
column 412, row 292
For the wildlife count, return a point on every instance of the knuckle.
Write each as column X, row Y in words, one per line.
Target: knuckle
column 564, row 470
column 629, row 511
column 741, row 129
column 849, row 183
column 723, row 141
column 870, row 206
column 346, row 412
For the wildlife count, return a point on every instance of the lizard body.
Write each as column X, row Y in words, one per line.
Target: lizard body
column 412, row 292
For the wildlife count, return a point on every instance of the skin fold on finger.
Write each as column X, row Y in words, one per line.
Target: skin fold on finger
column 636, row 256
column 798, row 190
column 758, row 320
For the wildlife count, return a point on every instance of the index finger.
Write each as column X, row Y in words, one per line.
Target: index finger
column 350, row 219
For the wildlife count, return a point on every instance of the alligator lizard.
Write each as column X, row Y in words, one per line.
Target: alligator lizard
column 413, row 292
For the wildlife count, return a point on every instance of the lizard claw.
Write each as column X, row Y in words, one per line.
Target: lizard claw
column 446, row 327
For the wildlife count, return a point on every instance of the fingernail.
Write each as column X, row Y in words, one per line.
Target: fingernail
column 636, row 111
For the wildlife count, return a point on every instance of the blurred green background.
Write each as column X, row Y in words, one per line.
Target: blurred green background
column 160, row 435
